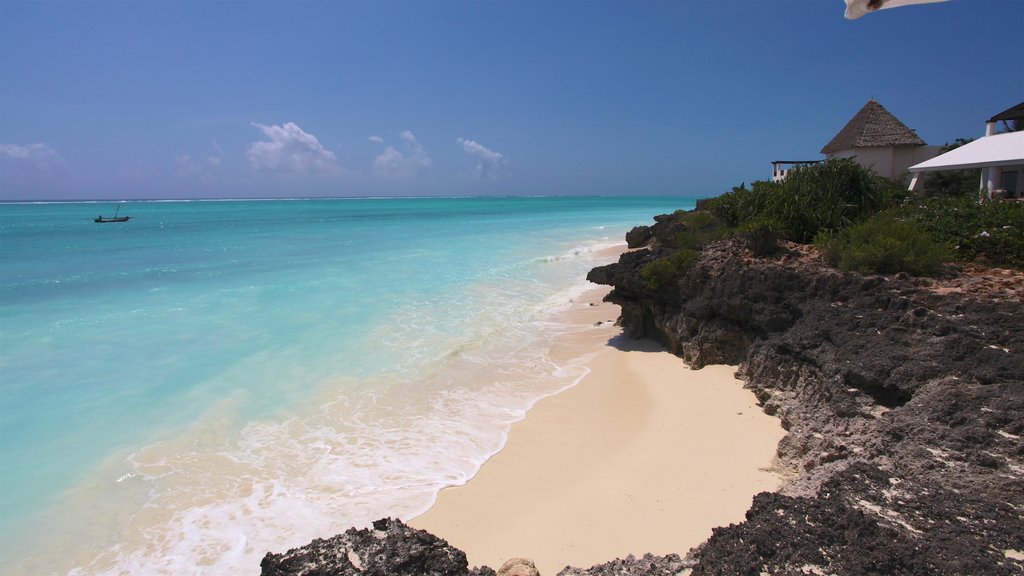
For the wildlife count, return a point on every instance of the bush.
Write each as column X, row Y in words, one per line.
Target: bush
column 884, row 244
column 992, row 232
column 700, row 228
column 827, row 196
column 742, row 203
column 761, row 236
column 660, row 273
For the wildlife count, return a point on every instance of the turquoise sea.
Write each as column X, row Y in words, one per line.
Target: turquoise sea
column 212, row 380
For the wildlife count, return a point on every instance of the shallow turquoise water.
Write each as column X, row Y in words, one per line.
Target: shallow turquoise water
column 215, row 379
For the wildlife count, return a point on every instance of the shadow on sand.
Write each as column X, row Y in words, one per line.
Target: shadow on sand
column 628, row 344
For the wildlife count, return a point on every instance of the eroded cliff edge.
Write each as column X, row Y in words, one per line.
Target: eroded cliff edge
column 903, row 399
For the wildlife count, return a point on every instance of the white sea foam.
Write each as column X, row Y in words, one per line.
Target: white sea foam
column 217, row 500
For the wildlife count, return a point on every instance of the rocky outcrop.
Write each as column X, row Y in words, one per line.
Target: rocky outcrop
column 390, row 548
column 903, row 399
column 648, row 565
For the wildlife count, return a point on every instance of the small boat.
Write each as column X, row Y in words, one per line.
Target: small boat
column 114, row 218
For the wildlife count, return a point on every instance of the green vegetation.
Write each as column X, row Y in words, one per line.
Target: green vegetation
column 827, row 196
column 761, row 235
column 990, row 232
column 861, row 221
column 884, row 244
column 699, row 228
column 663, row 271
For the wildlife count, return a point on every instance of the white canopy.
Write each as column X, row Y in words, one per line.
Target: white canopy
column 996, row 150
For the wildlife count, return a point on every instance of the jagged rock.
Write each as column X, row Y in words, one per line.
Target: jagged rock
column 649, row 565
column 389, row 549
column 518, row 567
column 866, row 521
column 638, row 236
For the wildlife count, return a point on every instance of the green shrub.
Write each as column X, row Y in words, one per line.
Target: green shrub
column 826, row 196
column 820, row 201
column 893, row 192
column 884, row 244
column 761, row 236
column 659, row 273
column 992, row 232
column 700, row 228
column 742, row 203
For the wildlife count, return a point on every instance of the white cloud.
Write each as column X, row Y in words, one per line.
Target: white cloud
column 289, row 149
column 389, row 162
column 490, row 164
column 33, row 171
column 37, row 156
column 392, row 162
column 188, row 166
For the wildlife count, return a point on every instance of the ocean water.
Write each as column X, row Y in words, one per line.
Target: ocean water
column 212, row 380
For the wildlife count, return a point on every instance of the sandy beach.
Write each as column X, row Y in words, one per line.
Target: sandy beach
column 643, row 455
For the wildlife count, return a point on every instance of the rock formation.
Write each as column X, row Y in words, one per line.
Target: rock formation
column 390, row 548
column 903, row 399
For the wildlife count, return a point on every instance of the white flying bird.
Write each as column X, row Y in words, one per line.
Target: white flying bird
column 857, row 8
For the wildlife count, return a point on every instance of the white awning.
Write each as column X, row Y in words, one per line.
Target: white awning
column 996, row 150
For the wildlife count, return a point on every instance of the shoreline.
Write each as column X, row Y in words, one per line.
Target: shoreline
column 643, row 455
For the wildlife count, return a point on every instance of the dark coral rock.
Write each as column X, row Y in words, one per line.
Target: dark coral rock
column 638, row 236
column 866, row 521
column 390, row 548
column 903, row 399
column 797, row 535
column 648, row 565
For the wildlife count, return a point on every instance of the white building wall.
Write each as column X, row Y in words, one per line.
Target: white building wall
column 877, row 159
column 889, row 161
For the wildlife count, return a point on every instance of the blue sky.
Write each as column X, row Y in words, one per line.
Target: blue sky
column 176, row 99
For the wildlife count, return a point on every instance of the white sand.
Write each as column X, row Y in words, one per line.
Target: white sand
column 644, row 455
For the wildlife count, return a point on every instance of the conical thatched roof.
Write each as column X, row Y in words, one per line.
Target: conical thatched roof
column 872, row 126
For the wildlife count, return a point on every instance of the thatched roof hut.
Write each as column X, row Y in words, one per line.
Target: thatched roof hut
column 873, row 126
